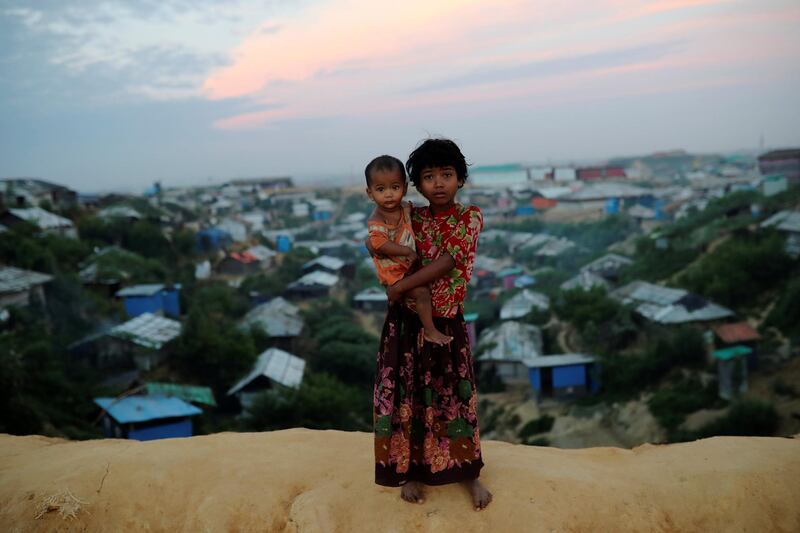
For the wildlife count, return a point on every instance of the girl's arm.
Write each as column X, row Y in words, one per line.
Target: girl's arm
column 424, row 276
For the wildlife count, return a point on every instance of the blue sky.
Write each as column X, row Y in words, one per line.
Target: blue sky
column 114, row 95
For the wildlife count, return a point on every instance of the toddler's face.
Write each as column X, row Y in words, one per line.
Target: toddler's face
column 387, row 188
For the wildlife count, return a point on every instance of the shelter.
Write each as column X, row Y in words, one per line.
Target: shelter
column 274, row 368
column 313, row 285
column 666, row 305
column 506, row 346
column 324, row 263
column 18, row 285
column 563, row 375
column 212, row 239
column 732, row 370
column 47, row 222
column 153, row 298
column 279, row 319
column 585, row 280
column 143, row 340
column 371, row 299
column 523, row 303
column 238, row 264
column 147, row 417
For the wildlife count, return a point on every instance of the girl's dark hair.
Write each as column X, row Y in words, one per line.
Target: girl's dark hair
column 384, row 162
column 436, row 153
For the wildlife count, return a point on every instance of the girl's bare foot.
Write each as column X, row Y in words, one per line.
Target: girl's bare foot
column 480, row 496
column 436, row 337
column 412, row 492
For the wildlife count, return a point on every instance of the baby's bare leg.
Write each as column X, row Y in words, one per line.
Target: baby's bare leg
column 422, row 297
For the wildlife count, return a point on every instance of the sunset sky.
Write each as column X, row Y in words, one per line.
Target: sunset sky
column 114, row 95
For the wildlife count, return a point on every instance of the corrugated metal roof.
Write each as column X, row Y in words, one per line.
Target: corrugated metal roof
column 734, row 351
column 317, row 277
column 558, row 360
column 371, row 294
column 190, row 393
column 326, row 261
column 277, row 317
column 555, row 247
column 41, row 218
column 609, row 263
column 738, row 332
column 585, row 280
column 602, row 191
column 678, row 314
column 667, row 305
column 14, row 279
column 523, row 303
column 510, row 341
column 148, row 330
column 524, row 281
column 642, row 291
column 148, row 289
column 277, row 365
column 784, row 221
column 143, row 408
column 261, row 252
column 119, row 211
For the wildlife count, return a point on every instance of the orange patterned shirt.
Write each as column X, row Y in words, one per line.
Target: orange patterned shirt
column 391, row 269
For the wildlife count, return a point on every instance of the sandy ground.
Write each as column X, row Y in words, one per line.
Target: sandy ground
column 304, row 480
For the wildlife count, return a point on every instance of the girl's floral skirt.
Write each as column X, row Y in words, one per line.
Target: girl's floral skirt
column 425, row 404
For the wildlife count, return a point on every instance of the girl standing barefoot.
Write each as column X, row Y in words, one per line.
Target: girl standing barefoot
column 425, row 400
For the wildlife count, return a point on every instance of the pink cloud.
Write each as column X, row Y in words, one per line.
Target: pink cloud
column 356, row 58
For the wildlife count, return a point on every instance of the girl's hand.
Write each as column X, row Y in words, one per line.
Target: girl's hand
column 394, row 293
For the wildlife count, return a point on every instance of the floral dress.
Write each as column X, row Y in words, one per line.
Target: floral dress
column 425, row 399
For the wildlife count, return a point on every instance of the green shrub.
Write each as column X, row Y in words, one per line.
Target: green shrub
column 542, row 424
column 784, row 389
column 745, row 418
column 539, row 441
column 671, row 405
column 740, row 270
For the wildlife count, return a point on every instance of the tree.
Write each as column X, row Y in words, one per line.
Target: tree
column 213, row 351
column 321, row 402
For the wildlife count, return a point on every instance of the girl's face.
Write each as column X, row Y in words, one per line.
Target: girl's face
column 439, row 186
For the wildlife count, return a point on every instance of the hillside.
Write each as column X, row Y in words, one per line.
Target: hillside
column 304, row 480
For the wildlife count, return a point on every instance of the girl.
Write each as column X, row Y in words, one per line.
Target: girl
column 426, row 425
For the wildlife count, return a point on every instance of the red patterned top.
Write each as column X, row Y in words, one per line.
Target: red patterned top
column 455, row 232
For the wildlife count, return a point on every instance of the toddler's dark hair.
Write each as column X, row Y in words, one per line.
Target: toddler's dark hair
column 436, row 153
column 384, row 162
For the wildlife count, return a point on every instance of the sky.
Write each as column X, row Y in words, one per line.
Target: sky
column 109, row 95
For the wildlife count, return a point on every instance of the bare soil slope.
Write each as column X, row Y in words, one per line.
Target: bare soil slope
column 305, row 480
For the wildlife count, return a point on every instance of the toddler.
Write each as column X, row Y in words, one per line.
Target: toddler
column 391, row 236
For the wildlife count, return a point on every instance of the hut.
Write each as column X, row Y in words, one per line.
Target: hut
column 146, row 417
column 732, row 370
column 563, row 375
column 274, row 368
column 371, row 299
column 153, row 298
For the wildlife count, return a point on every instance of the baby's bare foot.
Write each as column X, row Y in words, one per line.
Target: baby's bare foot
column 436, row 337
column 480, row 496
column 412, row 492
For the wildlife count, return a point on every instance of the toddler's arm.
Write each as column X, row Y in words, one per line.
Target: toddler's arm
column 394, row 249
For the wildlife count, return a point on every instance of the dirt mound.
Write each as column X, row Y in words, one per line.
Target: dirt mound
column 306, row 480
